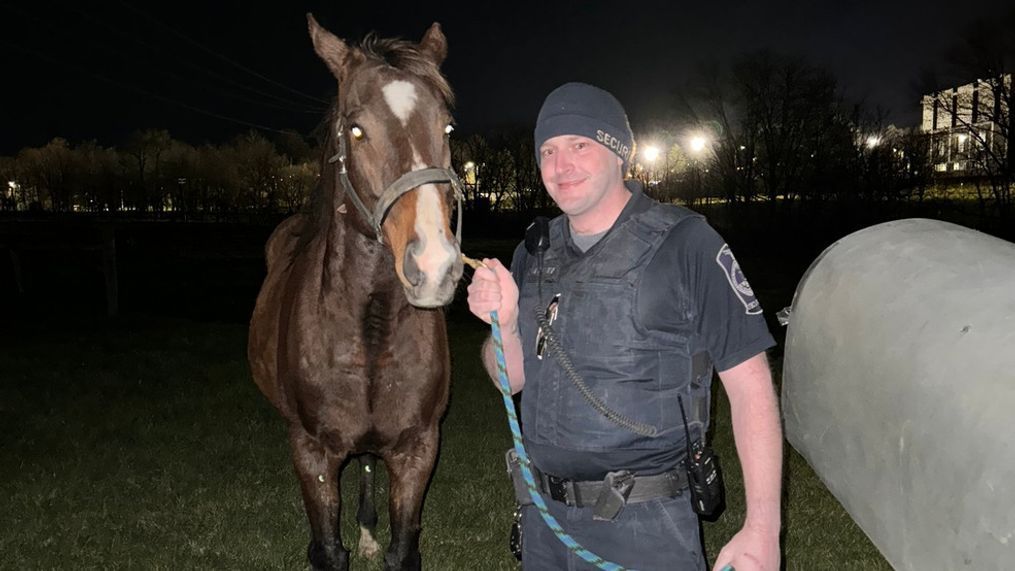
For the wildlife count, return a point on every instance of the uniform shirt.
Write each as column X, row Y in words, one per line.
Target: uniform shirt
column 692, row 284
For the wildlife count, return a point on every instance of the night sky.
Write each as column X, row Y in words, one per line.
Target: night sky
column 101, row 70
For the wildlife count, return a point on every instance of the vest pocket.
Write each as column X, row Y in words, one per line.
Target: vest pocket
column 630, row 386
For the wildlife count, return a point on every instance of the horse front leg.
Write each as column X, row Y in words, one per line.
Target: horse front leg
column 317, row 468
column 409, row 467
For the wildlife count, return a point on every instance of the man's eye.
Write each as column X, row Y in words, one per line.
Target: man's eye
column 580, row 145
column 546, row 152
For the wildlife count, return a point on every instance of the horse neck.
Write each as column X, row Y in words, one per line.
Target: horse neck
column 354, row 261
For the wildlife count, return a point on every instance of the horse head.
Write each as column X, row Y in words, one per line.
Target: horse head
column 390, row 130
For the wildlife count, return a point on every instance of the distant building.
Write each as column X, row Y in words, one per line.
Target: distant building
column 967, row 126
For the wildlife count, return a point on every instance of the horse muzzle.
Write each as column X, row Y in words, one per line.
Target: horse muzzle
column 435, row 286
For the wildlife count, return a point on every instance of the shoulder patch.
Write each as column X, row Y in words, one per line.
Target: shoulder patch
column 737, row 280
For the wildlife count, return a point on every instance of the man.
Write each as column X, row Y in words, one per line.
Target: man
column 644, row 299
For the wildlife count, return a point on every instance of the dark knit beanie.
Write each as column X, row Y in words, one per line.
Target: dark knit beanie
column 586, row 110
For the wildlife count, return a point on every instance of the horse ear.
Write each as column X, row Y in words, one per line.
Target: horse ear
column 328, row 46
column 434, row 44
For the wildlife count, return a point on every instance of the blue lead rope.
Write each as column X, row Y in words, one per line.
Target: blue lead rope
column 530, row 481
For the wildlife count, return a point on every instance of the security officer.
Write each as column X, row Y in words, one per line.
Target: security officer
column 645, row 299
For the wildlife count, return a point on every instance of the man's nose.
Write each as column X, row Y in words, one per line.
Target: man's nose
column 562, row 162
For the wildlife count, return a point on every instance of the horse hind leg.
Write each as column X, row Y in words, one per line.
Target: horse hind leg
column 409, row 467
column 318, row 470
column 366, row 514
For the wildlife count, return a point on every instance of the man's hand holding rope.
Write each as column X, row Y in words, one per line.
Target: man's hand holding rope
column 494, row 290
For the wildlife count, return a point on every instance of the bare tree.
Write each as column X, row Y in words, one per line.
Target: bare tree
column 772, row 120
column 297, row 181
column 143, row 156
column 179, row 173
column 260, row 170
column 528, row 185
column 720, row 101
column 98, row 177
column 48, row 172
column 468, row 158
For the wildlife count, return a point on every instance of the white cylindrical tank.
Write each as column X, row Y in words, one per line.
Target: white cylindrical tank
column 899, row 389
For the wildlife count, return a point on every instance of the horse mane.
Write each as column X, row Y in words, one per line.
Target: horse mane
column 397, row 53
column 406, row 56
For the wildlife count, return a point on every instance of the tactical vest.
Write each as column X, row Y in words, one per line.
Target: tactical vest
column 636, row 372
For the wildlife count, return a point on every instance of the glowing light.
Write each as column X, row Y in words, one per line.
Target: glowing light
column 470, row 173
column 698, row 143
column 873, row 141
column 651, row 153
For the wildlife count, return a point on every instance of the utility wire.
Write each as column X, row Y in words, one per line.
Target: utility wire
column 142, row 90
column 293, row 105
column 219, row 55
column 290, row 105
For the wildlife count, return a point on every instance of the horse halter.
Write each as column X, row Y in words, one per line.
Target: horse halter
column 396, row 189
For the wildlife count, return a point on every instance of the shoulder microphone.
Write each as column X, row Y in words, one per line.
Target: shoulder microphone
column 537, row 236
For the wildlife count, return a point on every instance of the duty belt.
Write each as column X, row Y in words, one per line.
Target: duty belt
column 607, row 497
column 586, row 494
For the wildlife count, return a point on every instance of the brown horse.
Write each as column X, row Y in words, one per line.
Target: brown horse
column 347, row 339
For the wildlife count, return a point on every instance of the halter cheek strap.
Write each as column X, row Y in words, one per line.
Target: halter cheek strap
column 395, row 190
column 414, row 179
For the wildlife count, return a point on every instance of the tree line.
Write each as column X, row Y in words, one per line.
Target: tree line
column 766, row 128
column 152, row 174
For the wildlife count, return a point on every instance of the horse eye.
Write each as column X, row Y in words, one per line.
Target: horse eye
column 356, row 132
column 448, row 129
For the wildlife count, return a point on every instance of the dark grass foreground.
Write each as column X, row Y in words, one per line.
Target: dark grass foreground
column 142, row 443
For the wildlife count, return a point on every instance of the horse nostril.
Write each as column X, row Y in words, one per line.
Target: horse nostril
column 409, row 266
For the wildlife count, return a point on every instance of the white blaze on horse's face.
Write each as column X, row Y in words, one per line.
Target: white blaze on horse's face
column 433, row 254
column 426, row 254
column 401, row 98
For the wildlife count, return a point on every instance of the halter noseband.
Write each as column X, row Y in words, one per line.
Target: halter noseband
column 395, row 190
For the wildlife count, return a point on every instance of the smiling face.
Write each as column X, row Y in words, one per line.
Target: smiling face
column 584, row 179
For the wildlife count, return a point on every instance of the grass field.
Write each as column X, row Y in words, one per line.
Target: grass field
column 141, row 443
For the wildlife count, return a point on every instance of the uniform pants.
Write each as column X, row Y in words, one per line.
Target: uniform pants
column 647, row 536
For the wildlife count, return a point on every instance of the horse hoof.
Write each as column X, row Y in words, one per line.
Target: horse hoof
column 410, row 562
column 368, row 546
column 323, row 560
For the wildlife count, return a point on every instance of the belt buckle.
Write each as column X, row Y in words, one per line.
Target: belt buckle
column 557, row 487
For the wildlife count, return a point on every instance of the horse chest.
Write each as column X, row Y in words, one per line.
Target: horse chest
column 381, row 354
column 379, row 378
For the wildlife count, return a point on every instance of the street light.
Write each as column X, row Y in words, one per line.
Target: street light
column 651, row 153
column 873, row 141
column 698, row 143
